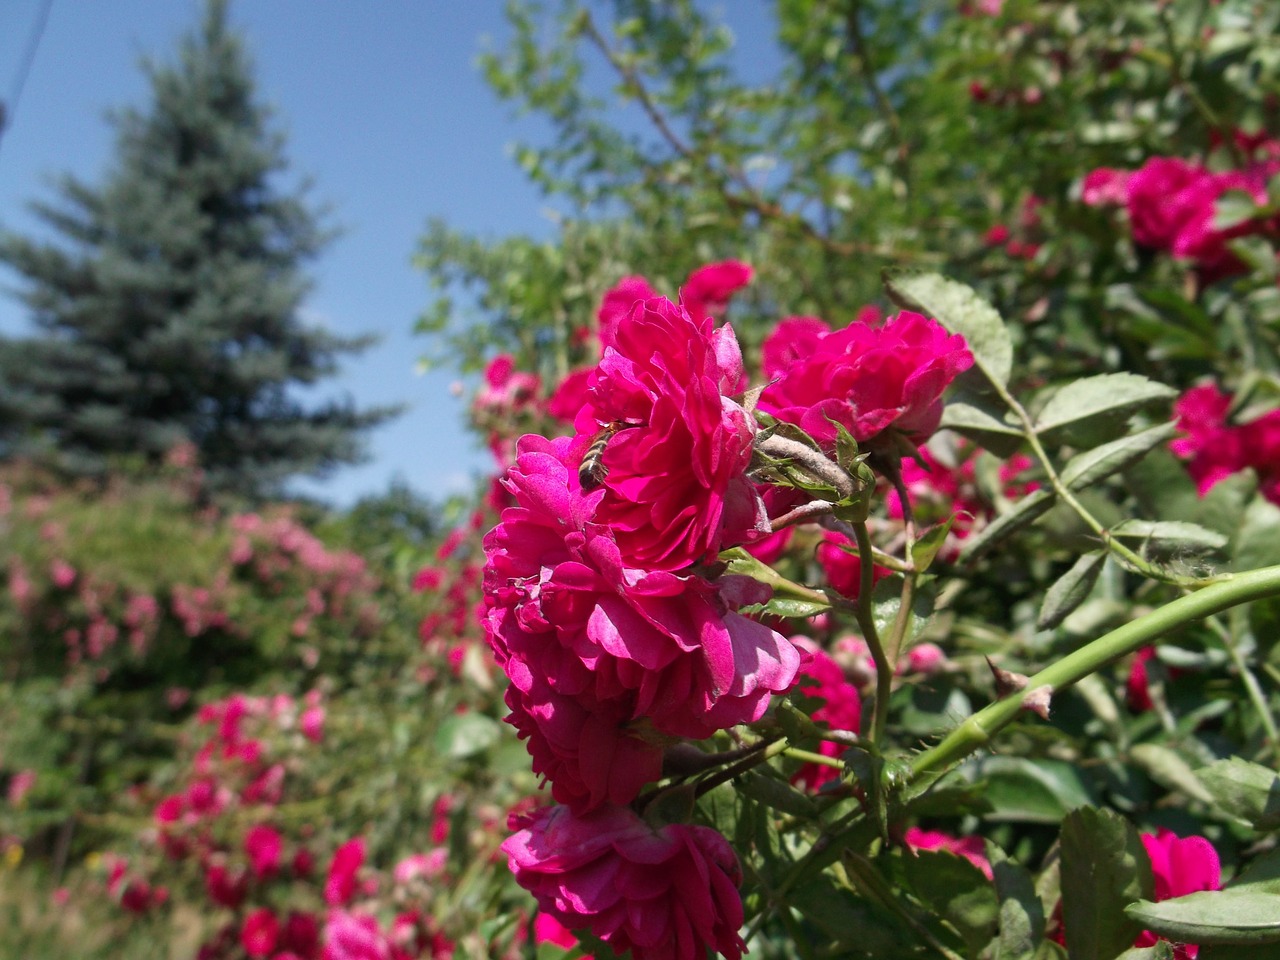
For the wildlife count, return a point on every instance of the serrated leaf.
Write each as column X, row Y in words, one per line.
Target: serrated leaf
column 463, row 735
column 1104, row 867
column 1169, row 770
column 1163, row 950
column 1070, row 590
column 1030, row 791
column 924, row 550
column 981, row 420
column 1021, row 917
column 956, row 891
column 1098, row 463
column 1026, row 511
column 841, row 916
column 1258, row 542
column 789, row 607
column 1104, row 402
column 1176, row 534
column 1245, row 790
column 958, row 308
column 1244, row 915
column 776, row 794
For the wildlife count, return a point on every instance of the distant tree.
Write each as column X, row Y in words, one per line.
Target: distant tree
column 170, row 310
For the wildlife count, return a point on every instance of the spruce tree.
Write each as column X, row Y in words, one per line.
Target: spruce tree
column 169, row 310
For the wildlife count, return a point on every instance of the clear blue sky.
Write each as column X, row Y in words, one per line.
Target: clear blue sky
column 383, row 107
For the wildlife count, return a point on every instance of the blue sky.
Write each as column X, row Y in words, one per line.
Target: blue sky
column 382, row 106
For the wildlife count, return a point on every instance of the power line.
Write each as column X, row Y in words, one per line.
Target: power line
column 9, row 107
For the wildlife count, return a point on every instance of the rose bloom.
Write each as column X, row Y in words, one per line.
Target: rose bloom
column 674, row 469
column 1179, row 866
column 260, row 932
column 841, row 709
column 1214, row 449
column 665, row 893
column 340, row 884
column 971, row 848
column 870, row 379
column 598, row 651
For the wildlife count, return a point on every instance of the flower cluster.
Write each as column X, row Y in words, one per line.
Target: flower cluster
column 1173, row 205
column 1215, row 449
column 601, row 607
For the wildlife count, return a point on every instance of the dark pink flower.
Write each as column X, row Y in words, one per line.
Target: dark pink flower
column 792, row 339
column 1216, row 449
column 547, row 929
column 1162, row 196
column 593, row 646
column 263, row 845
column 300, row 934
column 570, row 396
column 971, row 848
column 1180, row 866
column 870, row 379
column 674, row 473
column 225, row 887
column 259, row 932
column 340, row 885
column 1105, row 187
column 664, row 893
column 707, row 291
column 996, row 235
column 354, row 936
column 838, row 557
column 841, row 709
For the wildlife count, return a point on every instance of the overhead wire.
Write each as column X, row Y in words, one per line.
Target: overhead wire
column 9, row 106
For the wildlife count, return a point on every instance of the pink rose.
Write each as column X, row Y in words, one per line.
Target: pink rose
column 263, row 845
column 354, row 936
column 547, row 929
column 841, row 709
column 673, row 470
column 792, row 339
column 1215, row 449
column 870, row 379
column 666, row 893
column 592, row 644
column 340, row 885
column 1162, row 196
column 259, row 932
column 1180, row 866
column 838, row 557
column 707, row 291
column 971, row 848
column 300, row 934
column 1105, row 187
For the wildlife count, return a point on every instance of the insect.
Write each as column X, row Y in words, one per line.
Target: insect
column 592, row 471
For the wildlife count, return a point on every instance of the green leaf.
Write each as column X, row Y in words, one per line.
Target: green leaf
column 777, row 794
column 958, row 308
column 1021, row 918
column 1258, row 542
column 845, row 918
column 1070, row 590
column 1098, row 463
column 1029, row 791
column 1084, row 411
column 1245, row 790
column 957, row 891
column 1168, row 769
column 1242, row 915
column 1104, row 867
column 926, row 548
column 791, row 607
column 463, row 735
column 974, row 417
column 1163, row 950
column 1028, row 510
column 1172, row 534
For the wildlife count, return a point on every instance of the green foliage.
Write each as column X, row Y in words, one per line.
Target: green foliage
column 168, row 313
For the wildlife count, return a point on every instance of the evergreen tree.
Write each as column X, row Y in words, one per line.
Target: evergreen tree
column 169, row 312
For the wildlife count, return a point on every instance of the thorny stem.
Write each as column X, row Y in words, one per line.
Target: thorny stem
column 1251, row 686
column 1132, row 559
column 866, row 623
column 810, row 460
column 768, row 749
column 977, row 730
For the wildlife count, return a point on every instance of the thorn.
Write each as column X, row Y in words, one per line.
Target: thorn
column 1007, row 681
